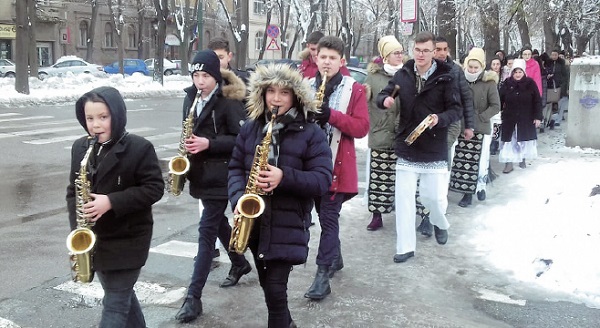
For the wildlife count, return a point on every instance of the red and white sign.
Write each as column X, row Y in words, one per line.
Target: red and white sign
column 408, row 10
column 273, row 45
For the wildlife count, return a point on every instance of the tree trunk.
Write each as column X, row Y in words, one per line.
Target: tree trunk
column 582, row 42
column 263, row 46
column 33, row 59
column 185, row 44
column 162, row 13
column 22, row 22
column 446, row 22
column 242, row 55
column 523, row 26
column 550, row 35
column 490, row 15
column 91, row 33
column 141, row 17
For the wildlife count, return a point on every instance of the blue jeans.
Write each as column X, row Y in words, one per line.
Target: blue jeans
column 213, row 224
column 329, row 207
column 121, row 306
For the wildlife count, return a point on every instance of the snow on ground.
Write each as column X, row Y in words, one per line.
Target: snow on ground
column 546, row 230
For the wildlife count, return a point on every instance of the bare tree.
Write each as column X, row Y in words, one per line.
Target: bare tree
column 22, row 45
column 91, row 32
column 446, row 21
column 549, row 20
column 32, row 44
column 239, row 30
column 522, row 23
column 269, row 12
column 162, row 13
column 490, row 16
column 184, row 18
column 116, row 12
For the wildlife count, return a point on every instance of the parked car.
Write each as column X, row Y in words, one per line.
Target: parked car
column 293, row 63
column 130, row 66
column 7, row 68
column 169, row 67
column 359, row 74
column 68, row 64
column 178, row 63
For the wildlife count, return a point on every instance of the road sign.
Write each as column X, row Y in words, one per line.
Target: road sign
column 408, row 11
column 273, row 31
column 273, row 45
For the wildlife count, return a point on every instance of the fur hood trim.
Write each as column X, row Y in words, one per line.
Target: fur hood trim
column 233, row 87
column 304, row 54
column 281, row 75
column 487, row 76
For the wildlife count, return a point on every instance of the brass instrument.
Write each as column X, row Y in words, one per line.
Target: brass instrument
column 251, row 205
column 179, row 165
column 418, row 130
column 81, row 241
column 321, row 91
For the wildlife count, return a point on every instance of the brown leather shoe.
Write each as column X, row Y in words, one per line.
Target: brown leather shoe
column 508, row 168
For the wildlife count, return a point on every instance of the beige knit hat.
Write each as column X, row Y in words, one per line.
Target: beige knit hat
column 476, row 54
column 388, row 44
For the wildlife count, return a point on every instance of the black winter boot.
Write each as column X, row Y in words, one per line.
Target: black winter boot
column 466, row 200
column 320, row 287
column 337, row 264
column 425, row 228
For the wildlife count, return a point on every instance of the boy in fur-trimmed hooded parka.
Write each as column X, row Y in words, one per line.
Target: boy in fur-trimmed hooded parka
column 300, row 168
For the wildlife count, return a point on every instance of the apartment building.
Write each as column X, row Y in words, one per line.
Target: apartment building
column 62, row 28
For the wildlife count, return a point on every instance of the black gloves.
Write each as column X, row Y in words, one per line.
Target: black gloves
column 323, row 116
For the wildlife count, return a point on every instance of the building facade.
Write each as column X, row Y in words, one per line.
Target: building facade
column 62, row 29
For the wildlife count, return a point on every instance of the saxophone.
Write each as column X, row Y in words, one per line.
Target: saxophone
column 321, row 91
column 179, row 165
column 82, row 240
column 251, row 205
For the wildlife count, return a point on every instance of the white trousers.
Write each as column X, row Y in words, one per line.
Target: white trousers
column 433, row 189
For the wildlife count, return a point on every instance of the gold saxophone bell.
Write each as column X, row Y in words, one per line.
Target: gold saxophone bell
column 80, row 243
column 178, row 167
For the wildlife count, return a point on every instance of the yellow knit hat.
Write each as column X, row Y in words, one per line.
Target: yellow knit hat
column 476, row 54
column 388, row 44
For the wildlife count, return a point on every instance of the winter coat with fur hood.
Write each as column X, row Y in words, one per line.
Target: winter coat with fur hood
column 219, row 122
column 303, row 155
column 125, row 169
column 486, row 101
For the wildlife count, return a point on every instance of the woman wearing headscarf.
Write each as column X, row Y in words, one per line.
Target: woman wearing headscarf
column 382, row 164
column 521, row 116
column 472, row 157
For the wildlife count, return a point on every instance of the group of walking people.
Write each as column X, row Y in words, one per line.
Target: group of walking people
column 419, row 131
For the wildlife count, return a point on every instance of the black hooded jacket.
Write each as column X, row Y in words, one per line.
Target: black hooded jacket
column 126, row 169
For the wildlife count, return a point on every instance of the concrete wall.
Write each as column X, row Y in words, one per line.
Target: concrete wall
column 584, row 103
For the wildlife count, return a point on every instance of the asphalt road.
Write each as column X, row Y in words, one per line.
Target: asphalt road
column 443, row 286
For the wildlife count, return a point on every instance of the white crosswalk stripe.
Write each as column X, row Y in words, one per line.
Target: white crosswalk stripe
column 74, row 137
column 27, row 118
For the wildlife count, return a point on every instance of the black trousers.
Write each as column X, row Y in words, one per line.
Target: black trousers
column 273, row 276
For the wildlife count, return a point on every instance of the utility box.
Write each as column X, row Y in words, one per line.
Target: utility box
column 584, row 103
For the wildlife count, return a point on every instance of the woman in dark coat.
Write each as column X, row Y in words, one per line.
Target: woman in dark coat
column 521, row 116
column 300, row 169
column 125, row 181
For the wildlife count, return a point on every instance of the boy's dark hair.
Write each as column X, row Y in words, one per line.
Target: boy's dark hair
column 314, row 37
column 436, row 40
column 333, row 43
column 426, row 36
column 509, row 57
column 218, row 43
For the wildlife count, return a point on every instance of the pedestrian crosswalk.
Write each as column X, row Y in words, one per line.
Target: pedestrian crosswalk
column 46, row 129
